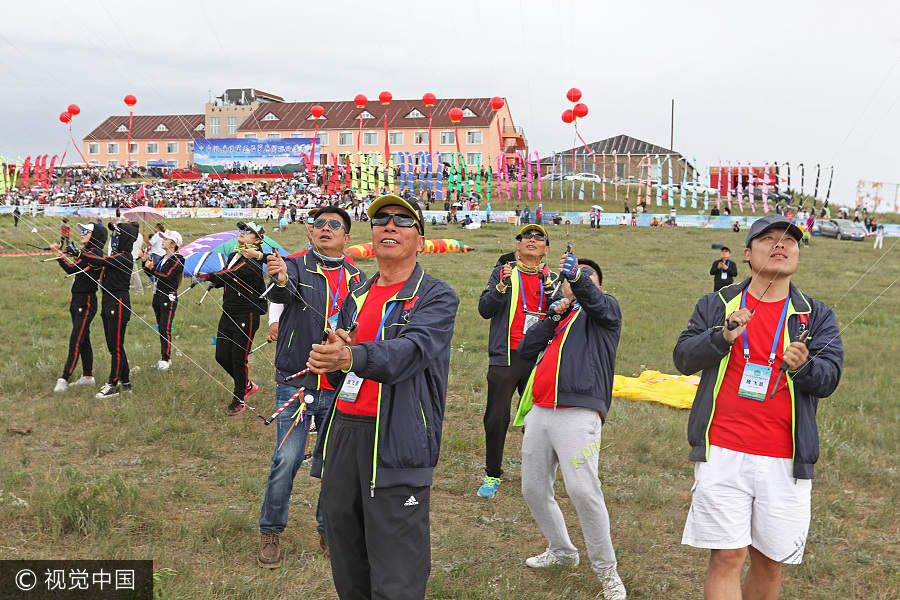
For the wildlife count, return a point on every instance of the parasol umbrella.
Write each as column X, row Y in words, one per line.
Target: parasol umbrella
column 143, row 213
column 208, row 254
column 597, row 206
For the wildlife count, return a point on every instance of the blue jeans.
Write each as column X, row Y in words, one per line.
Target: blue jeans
column 285, row 462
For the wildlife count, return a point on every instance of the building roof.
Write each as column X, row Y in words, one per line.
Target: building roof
column 149, row 127
column 344, row 115
column 621, row 144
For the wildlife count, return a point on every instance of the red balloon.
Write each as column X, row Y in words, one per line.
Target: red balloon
column 385, row 98
column 497, row 102
column 73, row 109
column 455, row 114
column 568, row 116
column 360, row 101
column 580, row 110
column 317, row 111
column 65, row 117
column 429, row 99
column 130, row 100
column 574, row 95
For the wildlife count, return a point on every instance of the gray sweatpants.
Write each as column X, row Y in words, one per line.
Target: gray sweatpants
column 568, row 438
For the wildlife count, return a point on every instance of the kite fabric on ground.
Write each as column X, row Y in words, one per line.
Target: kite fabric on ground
column 677, row 391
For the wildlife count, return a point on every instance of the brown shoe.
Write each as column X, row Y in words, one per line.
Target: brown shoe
column 323, row 545
column 269, row 551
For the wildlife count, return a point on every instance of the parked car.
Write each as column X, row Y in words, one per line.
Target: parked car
column 554, row 177
column 584, row 177
column 841, row 229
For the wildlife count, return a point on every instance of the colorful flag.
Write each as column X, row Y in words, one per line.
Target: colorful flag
column 765, row 187
column 683, row 183
column 537, row 166
column 670, row 182
column 659, row 180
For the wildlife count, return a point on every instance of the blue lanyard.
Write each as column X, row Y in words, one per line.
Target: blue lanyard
column 727, row 264
column 379, row 334
column 562, row 326
column 333, row 300
column 777, row 331
column 524, row 302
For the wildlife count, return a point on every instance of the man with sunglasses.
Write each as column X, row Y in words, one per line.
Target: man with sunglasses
column 311, row 289
column 377, row 454
column 516, row 297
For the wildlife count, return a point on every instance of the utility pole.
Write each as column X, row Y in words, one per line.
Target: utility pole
column 672, row 127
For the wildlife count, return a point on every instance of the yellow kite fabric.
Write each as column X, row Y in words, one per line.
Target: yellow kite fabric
column 652, row 386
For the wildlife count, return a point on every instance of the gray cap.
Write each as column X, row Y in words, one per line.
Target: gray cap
column 760, row 226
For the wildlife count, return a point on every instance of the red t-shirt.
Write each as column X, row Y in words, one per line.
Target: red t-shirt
column 369, row 318
column 531, row 282
column 746, row 425
column 337, row 285
column 543, row 388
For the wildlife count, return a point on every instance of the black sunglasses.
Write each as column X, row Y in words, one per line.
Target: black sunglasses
column 381, row 219
column 335, row 224
column 538, row 237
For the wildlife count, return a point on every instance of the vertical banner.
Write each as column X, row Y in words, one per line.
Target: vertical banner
column 802, row 178
column 765, row 188
column 615, row 176
column 740, row 186
column 728, row 175
column 439, row 174
column 528, row 162
column 828, row 191
column 499, row 178
column 562, row 176
column 403, row 172
column 490, row 175
column 787, row 166
column 465, row 173
column 506, row 176
column 670, row 182
column 594, row 182
column 4, row 182
column 348, row 173
column 627, row 177
column 537, row 166
column 519, row 174
column 390, row 174
column 776, row 173
column 430, row 172
column 478, row 175
column 684, row 178
column 649, row 180
column 26, row 172
column 603, row 180
column 659, row 185
column 751, row 190
column 816, row 188
column 696, row 180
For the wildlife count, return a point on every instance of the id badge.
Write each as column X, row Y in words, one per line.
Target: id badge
column 350, row 388
column 332, row 321
column 755, row 382
column 724, row 274
column 529, row 321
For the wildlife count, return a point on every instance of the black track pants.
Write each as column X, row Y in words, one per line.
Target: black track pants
column 501, row 383
column 164, row 309
column 380, row 544
column 234, row 339
column 116, row 313
column 82, row 309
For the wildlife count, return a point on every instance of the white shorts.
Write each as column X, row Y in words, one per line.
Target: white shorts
column 742, row 500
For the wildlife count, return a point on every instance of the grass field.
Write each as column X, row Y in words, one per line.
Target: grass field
column 163, row 474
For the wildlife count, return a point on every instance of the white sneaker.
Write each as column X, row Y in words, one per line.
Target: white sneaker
column 164, row 365
column 109, row 390
column 61, row 385
column 83, row 380
column 613, row 588
column 549, row 558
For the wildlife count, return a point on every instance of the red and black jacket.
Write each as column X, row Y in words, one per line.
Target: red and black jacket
column 168, row 274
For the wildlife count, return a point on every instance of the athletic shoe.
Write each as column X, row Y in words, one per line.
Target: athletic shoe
column 61, row 385
column 613, row 588
column 83, row 380
column 489, row 487
column 109, row 390
column 269, row 552
column 252, row 388
column 236, row 407
column 550, row 559
column 164, row 365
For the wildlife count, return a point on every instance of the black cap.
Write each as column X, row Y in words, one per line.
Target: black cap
column 764, row 224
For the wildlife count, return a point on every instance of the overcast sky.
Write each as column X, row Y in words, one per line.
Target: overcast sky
column 812, row 82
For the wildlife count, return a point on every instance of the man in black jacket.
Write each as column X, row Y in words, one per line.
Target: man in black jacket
column 723, row 270
column 242, row 279
column 83, row 306
column 115, row 306
column 567, row 400
column 166, row 274
column 752, row 426
column 377, row 455
column 312, row 289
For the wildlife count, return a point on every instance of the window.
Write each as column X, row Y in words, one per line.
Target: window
column 112, row 163
column 172, row 148
column 161, row 127
column 296, row 134
column 273, row 136
column 420, row 138
column 112, row 148
column 397, row 159
column 323, row 159
column 467, row 112
column 122, row 129
column 132, row 148
column 94, row 163
column 270, row 117
column 172, row 163
column 449, row 158
column 473, row 159
column 620, row 170
column 190, row 147
column 250, row 136
column 152, row 148
column 447, row 137
column 232, row 125
column 395, row 137
column 342, row 158
column 366, row 115
column 370, row 138
column 93, row 148
column 200, row 127
column 415, row 114
column 473, row 137
column 322, row 140
column 345, row 138
column 214, row 126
